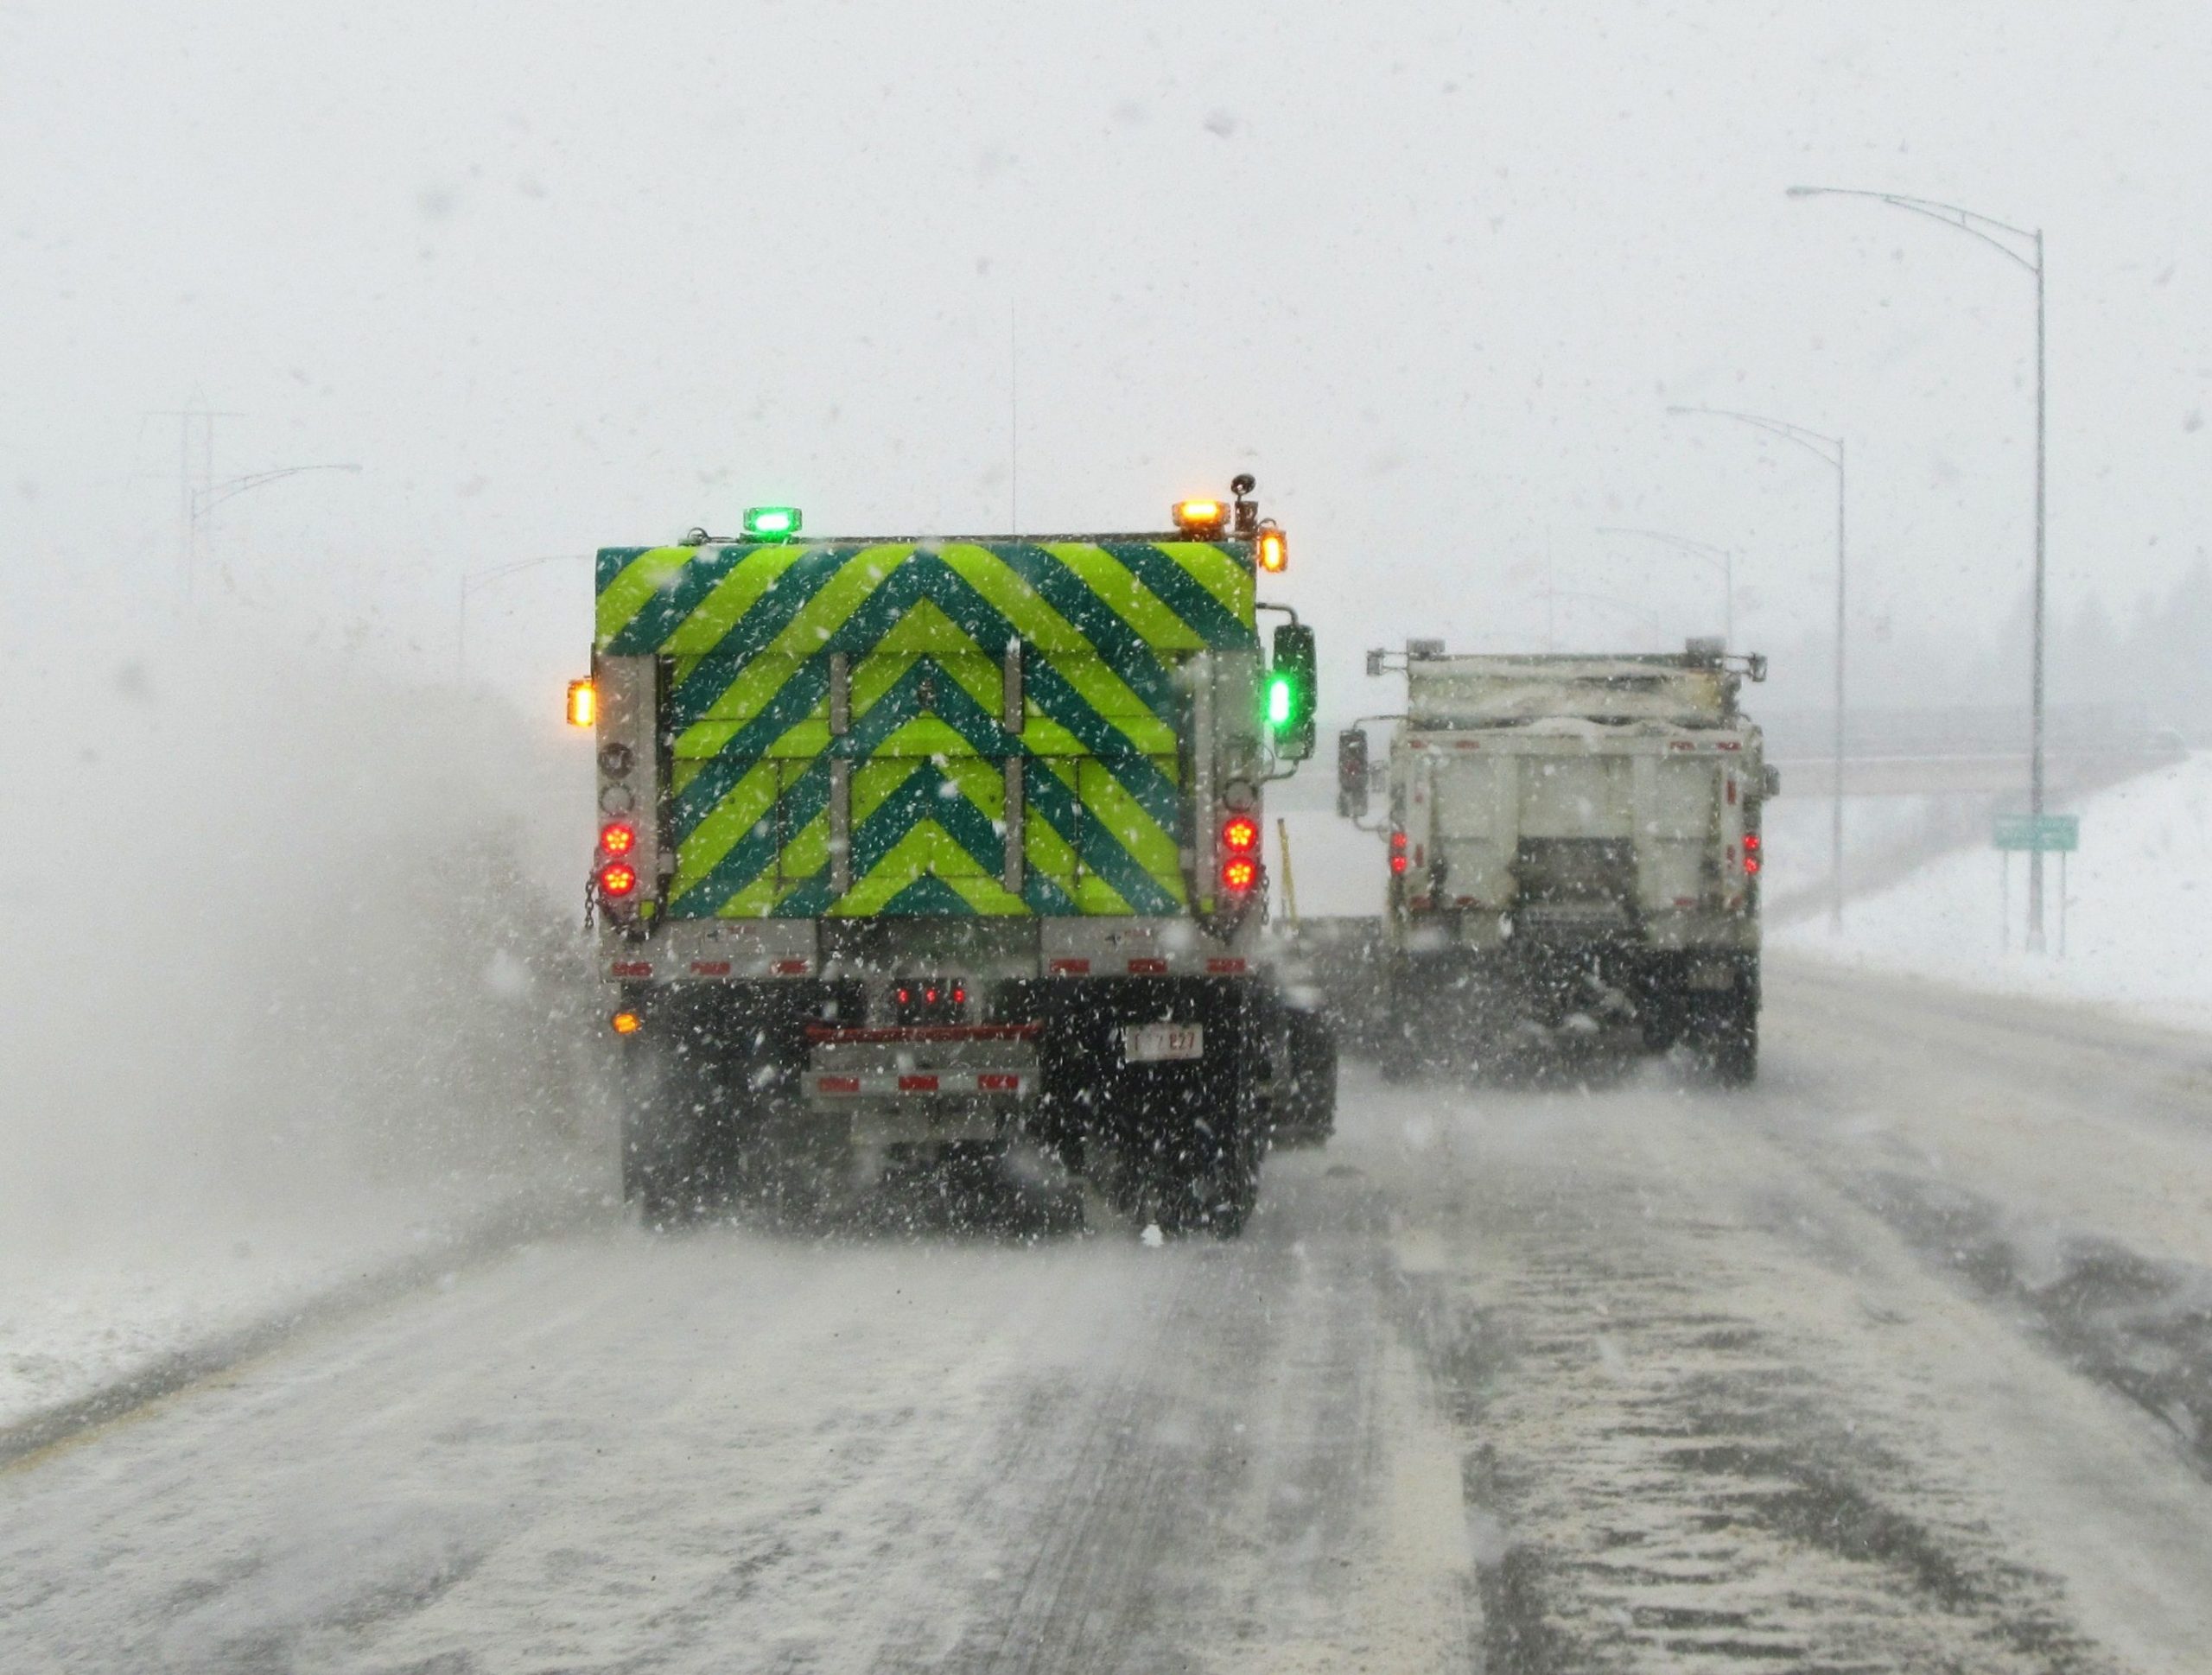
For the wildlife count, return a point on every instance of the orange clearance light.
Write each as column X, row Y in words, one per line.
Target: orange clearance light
column 584, row 704
column 627, row 1023
column 1241, row 835
column 1274, row 552
column 1200, row 517
column 617, row 879
column 617, row 839
column 1240, row 872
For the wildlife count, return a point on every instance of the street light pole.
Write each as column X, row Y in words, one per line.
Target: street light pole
column 2035, row 658
column 1820, row 445
column 477, row 579
column 1723, row 556
column 200, row 502
column 1988, row 229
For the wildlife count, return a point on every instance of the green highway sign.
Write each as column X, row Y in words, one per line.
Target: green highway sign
column 2052, row 833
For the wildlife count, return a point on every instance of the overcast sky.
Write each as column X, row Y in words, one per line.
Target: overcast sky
column 567, row 276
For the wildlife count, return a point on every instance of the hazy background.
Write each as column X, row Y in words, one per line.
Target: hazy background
column 570, row 275
column 559, row 277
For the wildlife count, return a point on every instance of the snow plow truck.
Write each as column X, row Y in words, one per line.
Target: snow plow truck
column 1574, row 849
column 915, row 848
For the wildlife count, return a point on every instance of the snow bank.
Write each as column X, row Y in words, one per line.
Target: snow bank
column 2137, row 931
column 290, row 990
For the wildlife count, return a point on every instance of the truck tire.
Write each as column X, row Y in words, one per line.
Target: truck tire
column 1213, row 1186
column 1305, row 1112
column 1404, row 1042
column 1211, row 1178
column 1729, row 1029
column 1203, row 1175
column 1662, row 1005
column 660, row 1161
column 652, row 1180
column 1736, row 1043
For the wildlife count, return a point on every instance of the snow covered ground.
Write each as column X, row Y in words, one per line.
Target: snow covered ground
column 296, row 998
column 2137, row 895
column 1635, row 1375
column 80, row 1315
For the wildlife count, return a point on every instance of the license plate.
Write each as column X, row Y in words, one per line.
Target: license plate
column 1150, row 1043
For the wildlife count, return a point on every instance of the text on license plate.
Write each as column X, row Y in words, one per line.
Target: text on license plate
column 1148, row 1043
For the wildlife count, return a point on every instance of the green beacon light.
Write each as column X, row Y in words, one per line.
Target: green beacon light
column 1281, row 701
column 770, row 523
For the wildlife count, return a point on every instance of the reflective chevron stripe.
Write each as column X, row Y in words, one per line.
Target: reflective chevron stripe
column 924, row 630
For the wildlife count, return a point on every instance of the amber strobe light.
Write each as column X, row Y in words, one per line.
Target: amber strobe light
column 619, row 838
column 627, row 1023
column 617, row 878
column 1200, row 517
column 1274, row 552
column 584, row 704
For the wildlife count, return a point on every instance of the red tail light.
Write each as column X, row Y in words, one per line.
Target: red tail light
column 1240, row 872
column 617, row 839
column 617, row 879
column 1398, row 862
column 1241, row 835
column 1751, row 851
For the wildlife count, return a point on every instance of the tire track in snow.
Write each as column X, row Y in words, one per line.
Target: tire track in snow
column 1688, row 1479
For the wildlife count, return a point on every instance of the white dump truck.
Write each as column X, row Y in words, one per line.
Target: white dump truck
column 1574, row 852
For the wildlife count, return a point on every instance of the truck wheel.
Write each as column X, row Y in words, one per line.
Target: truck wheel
column 1736, row 1046
column 1661, row 1006
column 650, row 1181
column 1403, row 1043
column 1307, row 1115
column 1214, row 1189
column 1230, row 1180
column 660, row 1151
column 1729, row 1031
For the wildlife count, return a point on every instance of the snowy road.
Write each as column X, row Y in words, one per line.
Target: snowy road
column 1902, row 1361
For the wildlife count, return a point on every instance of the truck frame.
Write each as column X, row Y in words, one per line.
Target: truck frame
column 916, row 847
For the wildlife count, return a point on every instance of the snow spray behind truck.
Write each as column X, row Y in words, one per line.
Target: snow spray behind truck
column 916, row 847
column 1573, row 842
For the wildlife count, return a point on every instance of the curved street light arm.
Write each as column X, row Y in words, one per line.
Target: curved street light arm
column 1717, row 557
column 1828, row 449
column 476, row 579
column 1972, row 222
column 1598, row 598
column 206, row 500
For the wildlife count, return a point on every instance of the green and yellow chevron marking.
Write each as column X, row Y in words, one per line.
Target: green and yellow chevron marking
column 748, row 633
